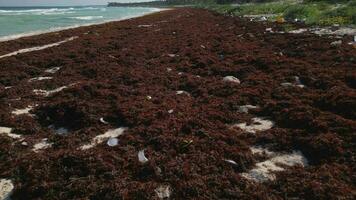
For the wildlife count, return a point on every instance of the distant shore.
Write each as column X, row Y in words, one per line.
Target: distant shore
column 179, row 104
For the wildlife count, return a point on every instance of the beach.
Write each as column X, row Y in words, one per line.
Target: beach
column 179, row 104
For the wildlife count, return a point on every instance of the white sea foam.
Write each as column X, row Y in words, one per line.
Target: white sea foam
column 38, row 48
column 88, row 17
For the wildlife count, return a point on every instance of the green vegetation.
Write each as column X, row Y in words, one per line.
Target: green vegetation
column 313, row 12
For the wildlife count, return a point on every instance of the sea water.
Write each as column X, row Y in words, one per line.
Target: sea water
column 17, row 22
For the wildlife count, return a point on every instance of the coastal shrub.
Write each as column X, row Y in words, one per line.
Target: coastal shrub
column 311, row 13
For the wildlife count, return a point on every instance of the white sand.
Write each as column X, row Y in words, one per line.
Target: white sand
column 163, row 191
column 41, row 145
column 41, row 78
column 53, row 70
column 38, row 48
column 101, row 138
column 259, row 124
column 7, row 131
column 265, row 171
column 47, row 93
column 24, row 111
column 6, row 189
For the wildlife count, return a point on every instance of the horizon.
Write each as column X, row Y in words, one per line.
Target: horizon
column 61, row 3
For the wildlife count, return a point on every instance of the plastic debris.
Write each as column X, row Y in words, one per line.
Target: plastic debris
column 148, row 97
column 170, row 111
column 44, row 144
column 230, row 161
column 103, row 121
column 6, row 189
column 101, row 138
column 231, row 79
column 163, row 191
column 113, row 142
column 264, row 171
column 258, row 124
column 172, row 55
column 169, row 69
column 141, row 156
column 145, row 26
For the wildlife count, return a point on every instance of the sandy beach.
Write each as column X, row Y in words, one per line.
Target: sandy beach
column 179, row 104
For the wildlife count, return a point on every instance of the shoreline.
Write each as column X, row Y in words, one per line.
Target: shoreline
column 58, row 29
column 178, row 104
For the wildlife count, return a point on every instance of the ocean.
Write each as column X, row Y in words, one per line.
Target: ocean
column 16, row 22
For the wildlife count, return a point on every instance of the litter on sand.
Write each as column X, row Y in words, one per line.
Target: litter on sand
column 53, row 70
column 103, row 121
column 230, row 161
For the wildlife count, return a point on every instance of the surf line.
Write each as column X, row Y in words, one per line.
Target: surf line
column 38, row 48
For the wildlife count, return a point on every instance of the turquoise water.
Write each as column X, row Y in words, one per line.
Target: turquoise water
column 17, row 22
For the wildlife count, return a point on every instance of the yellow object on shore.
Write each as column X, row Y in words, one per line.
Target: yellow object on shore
column 280, row 19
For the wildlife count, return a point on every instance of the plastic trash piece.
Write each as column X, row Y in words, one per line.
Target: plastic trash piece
column 113, row 142
column 163, row 191
column 6, row 189
column 231, row 79
column 141, row 156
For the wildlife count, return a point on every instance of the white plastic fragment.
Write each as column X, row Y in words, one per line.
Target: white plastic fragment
column 113, row 133
column 38, row 48
column 231, row 79
column 7, row 131
column 6, row 189
column 246, row 108
column 169, row 69
column 41, row 78
column 170, row 111
column 141, row 156
column 265, row 171
column 179, row 92
column 258, row 124
column 172, row 55
column 44, row 144
column 163, row 191
column 230, row 161
column 53, row 70
column 112, row 142
column 148, row 97
column 103, row 121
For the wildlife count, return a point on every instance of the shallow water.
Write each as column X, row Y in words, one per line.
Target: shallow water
column 25, row 21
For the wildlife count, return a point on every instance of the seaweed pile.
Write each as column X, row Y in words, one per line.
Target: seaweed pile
column 181, row 104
